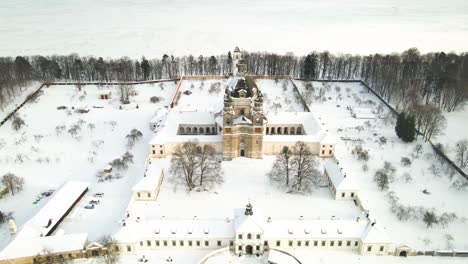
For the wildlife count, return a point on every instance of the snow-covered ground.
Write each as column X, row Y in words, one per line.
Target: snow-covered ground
column 442, row 197
column 49, row 160
column 203, row 95
column 244, row 179
column 306, row 256
column 279, row 95
column 151, row 28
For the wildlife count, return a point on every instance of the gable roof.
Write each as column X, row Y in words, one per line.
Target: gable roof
column 339, row 180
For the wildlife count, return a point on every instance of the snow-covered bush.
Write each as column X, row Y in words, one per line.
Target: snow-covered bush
column 155, row 99
column 17, row 122
column 405, row 161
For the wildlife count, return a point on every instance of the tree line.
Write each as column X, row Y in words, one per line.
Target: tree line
column 405, row 79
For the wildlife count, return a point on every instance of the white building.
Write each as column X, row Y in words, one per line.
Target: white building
column 342, row 186
column 249, row 233
column 147, row 189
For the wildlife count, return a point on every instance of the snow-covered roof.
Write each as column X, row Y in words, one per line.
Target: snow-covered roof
column 375, row 234
column 57, row 206
column 160, row 116
column 151, row 180
column 29, row 247
column 313, row 228
column 313, row 130
column 175, row 228
column 105, row 92
column 169, row 130
column 246, row 223
column 339, row 180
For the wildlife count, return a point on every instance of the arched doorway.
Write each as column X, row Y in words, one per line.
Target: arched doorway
column 403, row 253
column 242, row 152
column 249, row 249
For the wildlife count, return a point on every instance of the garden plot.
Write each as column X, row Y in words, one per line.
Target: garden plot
column 47, row 151
column 201, row 95
column 427, row 184
column 279, row 95
column 244, row 179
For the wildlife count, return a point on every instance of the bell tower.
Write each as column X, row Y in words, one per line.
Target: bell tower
column 239, row 67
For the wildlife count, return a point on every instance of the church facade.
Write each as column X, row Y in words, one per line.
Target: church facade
column 243, row 127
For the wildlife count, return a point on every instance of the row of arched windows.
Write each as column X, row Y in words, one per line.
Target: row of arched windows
column 284, row 130
column 197, row 130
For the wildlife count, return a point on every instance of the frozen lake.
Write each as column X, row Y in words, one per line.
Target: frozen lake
column 153, row 27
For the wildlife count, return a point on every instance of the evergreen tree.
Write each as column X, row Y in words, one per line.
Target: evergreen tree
column 405, row 127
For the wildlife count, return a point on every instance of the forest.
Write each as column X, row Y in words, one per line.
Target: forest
column 404, row 79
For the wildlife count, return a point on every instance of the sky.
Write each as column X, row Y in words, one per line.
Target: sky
column 115, row 28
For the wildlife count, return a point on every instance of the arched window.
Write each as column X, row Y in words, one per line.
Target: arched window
column 285, row 130
column 207, row 131
column 298, row 131
column 202, row 131
column 188, row 130
column 279, row 130
column 267, row 130
column 272, row 130
column 195, row 130
column 181, row 130
column 257, row 120
column 228, row 121
column 249, row 236
column 213, row 131
column 293, row 131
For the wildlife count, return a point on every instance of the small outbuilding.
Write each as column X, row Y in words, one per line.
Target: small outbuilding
column 105, row 94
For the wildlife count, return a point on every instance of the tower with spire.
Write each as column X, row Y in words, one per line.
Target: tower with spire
column 239, row 67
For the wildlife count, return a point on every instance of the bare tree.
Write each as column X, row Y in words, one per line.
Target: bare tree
column 184, row 163
column 12, row 182
column 133, row 137
column 111, row 252
column 196, row 166
column 283, row 167
column 429, row 120
column 417, row 150
column 124, row 93
column 461, row 152
column 305, row 167
column 209, row 166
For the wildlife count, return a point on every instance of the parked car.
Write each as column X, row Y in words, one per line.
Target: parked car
column 94, row 202
column 99, row 194
column 89, row 206
column 48, row 193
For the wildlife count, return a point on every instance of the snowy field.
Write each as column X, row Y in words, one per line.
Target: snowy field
column 201, row 95
column 279, row 95
column 47, row 159
column 207, row 95
column 442, row 197
column 153, row 27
